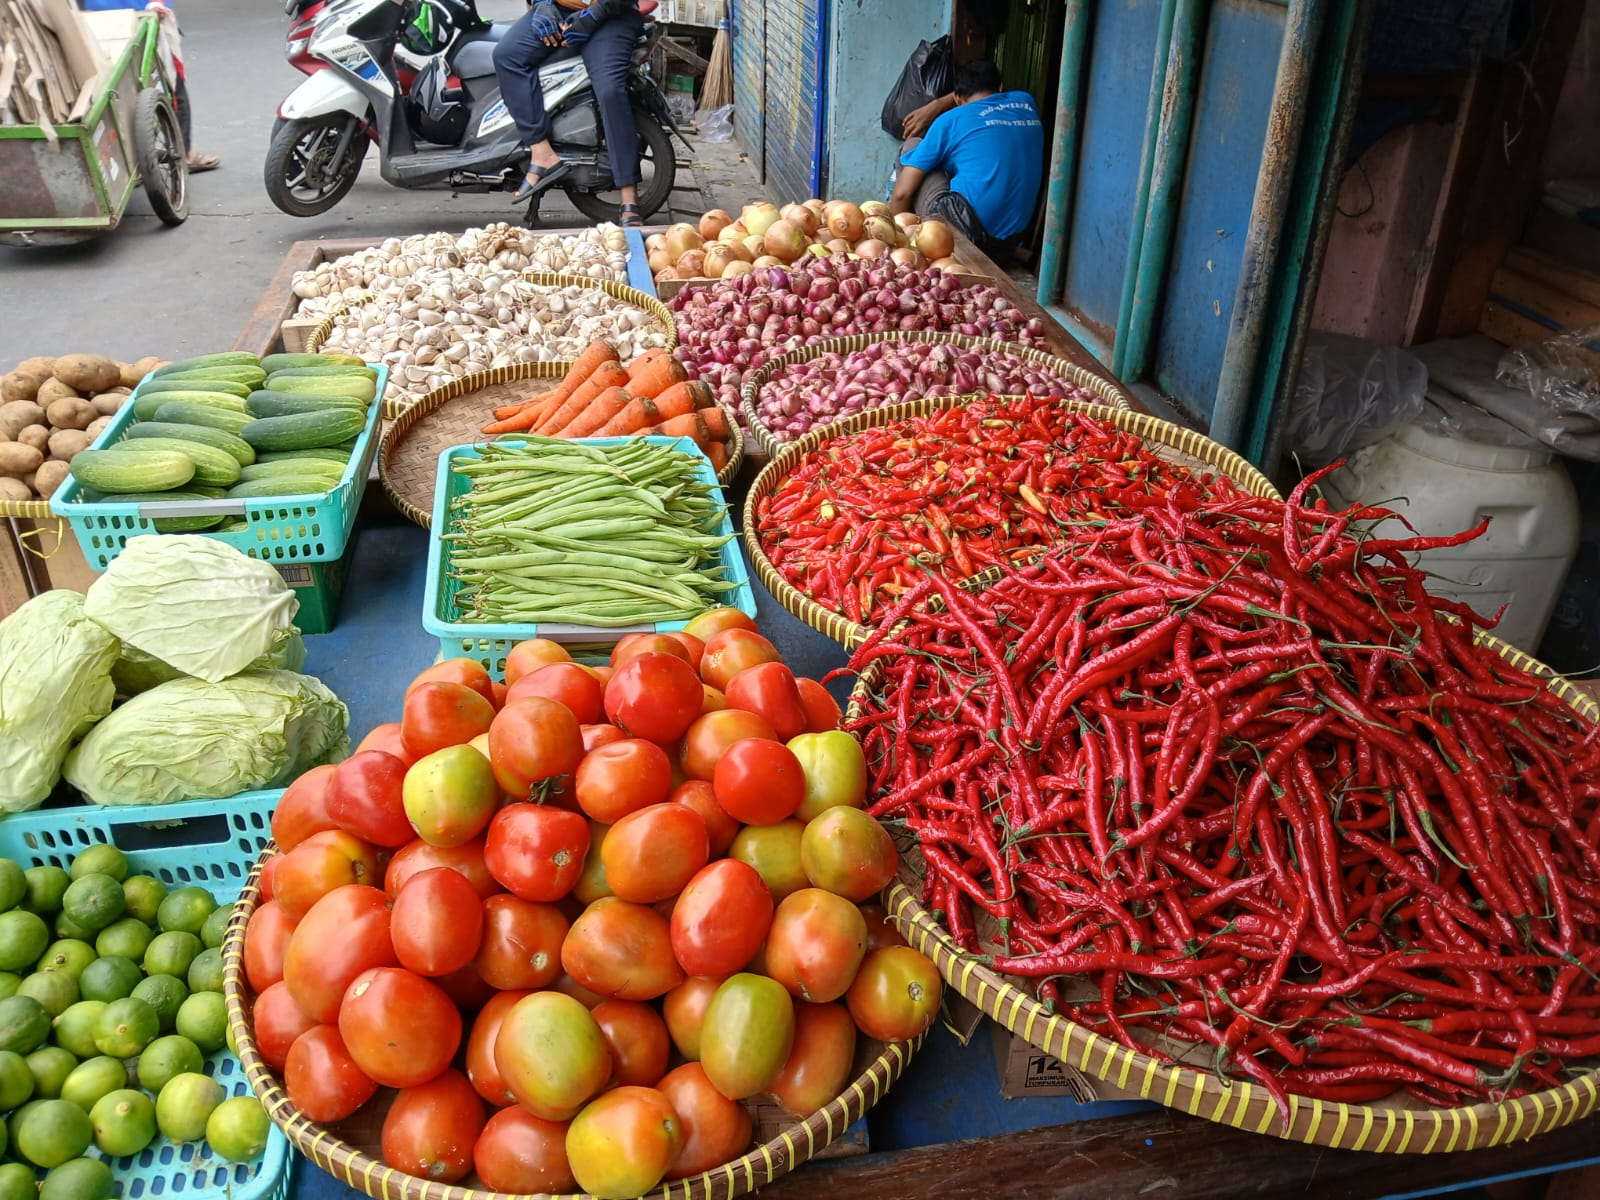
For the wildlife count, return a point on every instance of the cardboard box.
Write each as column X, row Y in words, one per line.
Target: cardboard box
column 319, row 586
column 50, row 555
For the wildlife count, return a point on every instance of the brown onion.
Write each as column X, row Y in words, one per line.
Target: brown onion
column 785, row 240
column 872, row 248
column 692, row 263
column 947, row 264
column 801, row 217
column 681, row 239
column 907, row 220
column 881, row 229
column 907, row 257
column 716, row 260
column 846, row 222
column 840, row 246
column 766, row 260
column 875, row 208
column 759, row 217
column 935, row 239
column 659, row 259
column 656, row 241
column 713, row 223
column 737, row 267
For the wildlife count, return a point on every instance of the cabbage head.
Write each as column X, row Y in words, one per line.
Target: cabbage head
column 135, row 671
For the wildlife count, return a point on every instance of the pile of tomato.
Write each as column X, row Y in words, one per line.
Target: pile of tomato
column 578, row 917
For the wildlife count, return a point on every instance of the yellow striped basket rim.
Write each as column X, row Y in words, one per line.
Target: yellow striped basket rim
column 1109, row 391
column 1154, row 432
column 33, row 510
column 793, row 1145
column 1387, row 1128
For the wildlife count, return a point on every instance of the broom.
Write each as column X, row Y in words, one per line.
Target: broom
column 718, row 88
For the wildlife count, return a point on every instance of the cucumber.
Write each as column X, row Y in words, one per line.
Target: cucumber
column 302, row 431
column 205, row 434
column 191, row 383
column 118, row 471
column 292, row 466
column 234, row 525
column 358, row 386
column 283, row 362
column 201, row 362
column 331, row 454
column 171, row 524
column 283, row 404
column 281, row 485
column 325, row 373
column 247, row 374
column 183, row 413
column 147, row 404
column 212, row 467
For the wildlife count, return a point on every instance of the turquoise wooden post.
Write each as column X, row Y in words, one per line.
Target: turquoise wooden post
column 1064, row 155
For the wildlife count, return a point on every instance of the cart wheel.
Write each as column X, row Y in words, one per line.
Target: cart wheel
column 159, row 151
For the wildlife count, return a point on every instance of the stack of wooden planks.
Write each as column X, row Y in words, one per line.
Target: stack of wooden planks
column 1534, row 296
column 49, row 64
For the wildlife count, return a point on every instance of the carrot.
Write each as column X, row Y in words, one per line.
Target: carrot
column 654, row 372
column 717, row 452
column 675, row 401
column 598, row 411
column 690, row 425
column 522, row 416
column 639, row 415
column 609, row 375
column 586, row 364
column 716, row 419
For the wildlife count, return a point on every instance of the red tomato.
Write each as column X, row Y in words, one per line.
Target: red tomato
column 622, row 777
column 520, row 1154
column 654, row 696
column 708, row 624
column 635, row 644
column 622, row 950
column 732, row 651
column 692, row 645
column 430, row 1130
column 466, row 988
column 498, row 698
column 721, row 919
column 769, row 689
column 267, row 881
column 603, row 674
column 303, row 809
column 592, row 883
column 710, row 736
column 638, row 1039
column 366, row 797
column 684, row 1010
column 401, row 1029
column 481, row 1068
column 521, row 946
column 344, row 934
column 712, row 701
column 436, row 923
column 565, row 683
column 536, row 852
column 848, row 853
column 759, row 782
column 533, row 740
column 895, row 994
column 595, row 736
column 715, row 1129
column 819, row 1065
column 321, row 1078
column 568, row 986
column 822, row 710
column 650, row 854
column 266, row 940
column 816, row 942
column 386, row 737
column 700, row 796
column 466, row 860
column 319, row 864
column 881, row 931
column 437, row 715
column 774, row 852
column 449, row 795
column 552, row 1055
column 468, row 672
column 624, row 1143
column 527, row 657
column 276, row 1021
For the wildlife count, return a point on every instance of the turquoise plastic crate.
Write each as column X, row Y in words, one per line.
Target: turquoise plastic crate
column 210, row 843
column 282, row 528
column 490, row 644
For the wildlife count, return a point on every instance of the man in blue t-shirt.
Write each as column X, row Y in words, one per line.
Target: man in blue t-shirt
column 980, row 164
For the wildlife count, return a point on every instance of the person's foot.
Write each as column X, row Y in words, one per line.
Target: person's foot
column 631, row 218
column 540, row 177
column 202, row 162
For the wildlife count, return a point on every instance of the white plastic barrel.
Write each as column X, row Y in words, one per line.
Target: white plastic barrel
column 1445, row 484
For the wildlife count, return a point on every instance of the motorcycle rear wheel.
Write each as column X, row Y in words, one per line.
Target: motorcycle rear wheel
column 658, row 168
column 301, row 178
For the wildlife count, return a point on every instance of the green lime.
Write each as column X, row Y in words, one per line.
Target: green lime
column 49, row 1132
column 69, row 955
column 124, row 1122
column 17, row 1180
column 232, row 1043
column 109, row 978
column 56, row 991
column 10, row 981
column 185, row 910
column 66, row 927
column 144, row 894
column 205, row 972
column 165, row 994
column 125, row 1028
column 102, row 859
column 166, row 1058
column 74, row 1029
column 80, row 1179
column 93, row 901
column 93, row 1078
column 24, row 1024
column 170, row 953
column 216, row 926
column 128, row 937
column 13, row 884
column 237, row 1128
column 183, row 1106
column 50, row 1066
column 203, row 1019
column 23, row 937
column 16, row 1081
column 46, row 886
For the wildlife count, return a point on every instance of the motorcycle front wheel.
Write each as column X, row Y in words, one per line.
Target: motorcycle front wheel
column 301, row 175
column 658, row 168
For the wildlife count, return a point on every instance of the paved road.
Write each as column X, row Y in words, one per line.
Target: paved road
column 146, row 289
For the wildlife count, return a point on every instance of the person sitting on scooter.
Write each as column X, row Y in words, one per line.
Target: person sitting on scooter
column 604, row 32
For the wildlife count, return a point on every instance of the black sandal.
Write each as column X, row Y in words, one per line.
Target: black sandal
column 631, row 218
column 538, row 178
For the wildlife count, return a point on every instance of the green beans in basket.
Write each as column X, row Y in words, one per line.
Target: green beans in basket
column 552, row 530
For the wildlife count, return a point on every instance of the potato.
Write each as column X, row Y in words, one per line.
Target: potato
column 15, row 489
column 19, row 386
column 37, row 436
column 40, row 365
column 18, row 415
column 133, row 374
column 52, row 390
column 97, row 426
column 71, row 413
column 48, row 478
column 64, row 443
column 18, row 460
column 88, row 372
column 31, row 482
column 107, row 403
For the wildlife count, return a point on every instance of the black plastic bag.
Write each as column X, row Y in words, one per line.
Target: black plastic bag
column 926, row 76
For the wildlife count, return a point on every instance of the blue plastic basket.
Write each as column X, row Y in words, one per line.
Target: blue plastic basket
column 490, row 644
column 282, row 528
column 209, row 843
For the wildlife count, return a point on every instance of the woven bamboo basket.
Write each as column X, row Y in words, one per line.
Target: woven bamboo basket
column 1387, row 1127
column 32, row 510
column 1110, row 392
column 1161, row 437
column 348, row 1151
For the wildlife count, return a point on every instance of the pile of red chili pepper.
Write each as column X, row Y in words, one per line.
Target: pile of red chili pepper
column 1238, row 792
column 864, row 517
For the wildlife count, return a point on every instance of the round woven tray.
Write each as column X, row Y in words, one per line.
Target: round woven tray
column 1161, row 437
column 1387, row 1127
column 346, row 1151
column 455, row 414
column 1108, row 391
